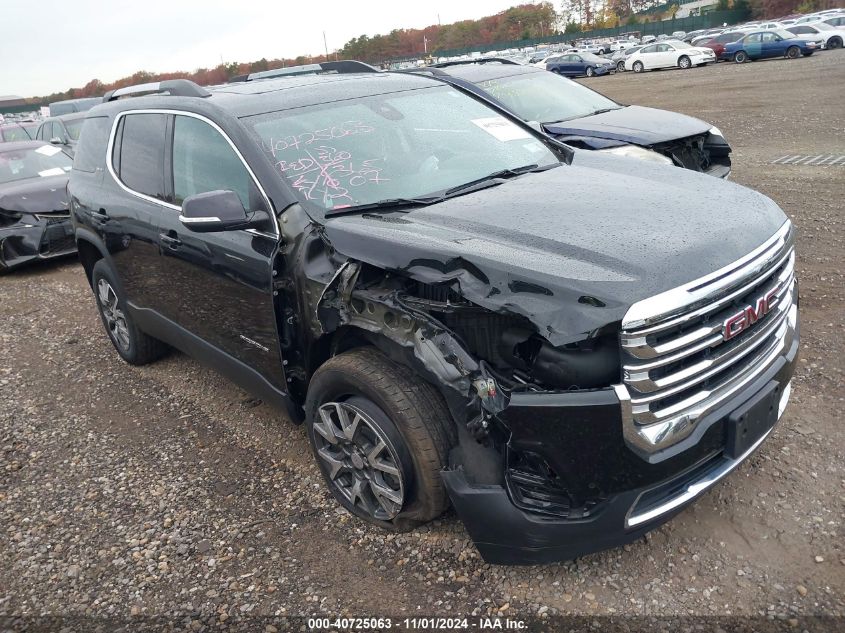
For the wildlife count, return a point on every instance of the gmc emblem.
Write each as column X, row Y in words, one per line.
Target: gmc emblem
column 749, row 315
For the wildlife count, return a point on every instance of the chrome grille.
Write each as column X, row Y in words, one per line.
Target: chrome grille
column 678, row 365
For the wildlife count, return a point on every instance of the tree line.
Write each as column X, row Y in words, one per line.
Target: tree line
column 526, row 21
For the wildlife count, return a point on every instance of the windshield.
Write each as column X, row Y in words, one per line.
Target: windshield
column 680, row 44
column 546, row 97
column 589, row 57
column 17, row 132
column 74, row 128
column 33, row 162
column 409, row 144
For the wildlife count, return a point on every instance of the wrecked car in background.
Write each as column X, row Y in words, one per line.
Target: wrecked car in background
column 34, row 219
column 583, row 118
column 444, row 297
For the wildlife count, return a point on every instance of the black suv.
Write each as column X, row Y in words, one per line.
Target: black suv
column 570, row 354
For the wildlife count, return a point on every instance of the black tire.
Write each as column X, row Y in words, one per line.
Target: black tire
column 133, row 345
column 740, row 57
column 793, row 52
column 408, row 414
column 620, row 66
column 834, row 42
column 590, row 71
column 684, row 62
column 638, row 67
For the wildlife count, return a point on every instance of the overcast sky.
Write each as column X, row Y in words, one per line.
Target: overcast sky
column 53, row 45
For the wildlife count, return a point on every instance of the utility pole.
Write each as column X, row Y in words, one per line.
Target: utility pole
column 425, row 44
column 326, row 46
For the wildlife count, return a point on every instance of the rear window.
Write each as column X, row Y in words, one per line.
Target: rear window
column 92, row 144
column 16, row 133
column 141, row 150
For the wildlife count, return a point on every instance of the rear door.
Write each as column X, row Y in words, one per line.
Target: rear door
column 753, row 46
column 127, row 222
column 219, row 286
column 647, row 55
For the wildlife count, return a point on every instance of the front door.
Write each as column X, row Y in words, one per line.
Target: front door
column 220, row 284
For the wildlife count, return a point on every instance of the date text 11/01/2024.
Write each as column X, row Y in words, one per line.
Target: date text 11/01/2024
column 418, row 624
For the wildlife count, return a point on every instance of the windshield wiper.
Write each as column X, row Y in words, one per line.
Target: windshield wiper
column 388, row 203
column 580, row 116
column 496, row 178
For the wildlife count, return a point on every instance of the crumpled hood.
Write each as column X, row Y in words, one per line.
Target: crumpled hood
column 632, row 124
column 571, row 248
column 35, row 195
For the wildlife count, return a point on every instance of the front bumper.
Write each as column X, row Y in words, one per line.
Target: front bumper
column 614, row 496
column 36, row 237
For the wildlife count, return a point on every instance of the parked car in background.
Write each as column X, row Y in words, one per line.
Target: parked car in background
column 69, row 106
column 669, row 54
column 34, row 218
column 767, row 44
column 18, row 131
column 648, row 39
column 62, row 131
column 717, row 44
column 581, row 64
column 619, row 58
column 824, row 35
column 580, row 117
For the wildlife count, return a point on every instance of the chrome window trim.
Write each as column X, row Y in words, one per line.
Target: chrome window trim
column 169, row 205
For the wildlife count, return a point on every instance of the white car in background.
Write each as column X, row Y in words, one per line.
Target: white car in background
column 668, row 54
column 824, row 35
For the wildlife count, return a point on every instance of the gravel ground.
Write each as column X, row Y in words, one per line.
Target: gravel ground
column 165, row 490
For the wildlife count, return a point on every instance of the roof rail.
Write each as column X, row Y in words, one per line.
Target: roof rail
column 480, row 60
column 173, row 87
column 340, row 67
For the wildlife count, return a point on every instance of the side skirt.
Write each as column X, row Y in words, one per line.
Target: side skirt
column 235, row 370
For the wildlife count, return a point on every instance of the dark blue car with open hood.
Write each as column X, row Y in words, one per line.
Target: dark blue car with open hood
column 583, row 118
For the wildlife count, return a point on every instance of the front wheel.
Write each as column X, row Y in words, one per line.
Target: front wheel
column 381, row 435
column 684, row 62
column 638, row 67
column 741, row 57
column 590, row 72
column 834, row 42
column 793, row 52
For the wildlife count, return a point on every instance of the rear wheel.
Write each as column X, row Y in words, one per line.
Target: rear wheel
column 590, row 72
column 638, row 67
column 741, row 57
column 684, row 62
column 133, row 345
column 620, row 66
column 834, row 42
column 793, row 52
column 381, row 435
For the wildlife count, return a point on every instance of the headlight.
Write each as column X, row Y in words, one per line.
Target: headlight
column 716, row 131
column 632, row 151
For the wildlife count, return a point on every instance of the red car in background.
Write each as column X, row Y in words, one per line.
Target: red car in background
column 718, row 42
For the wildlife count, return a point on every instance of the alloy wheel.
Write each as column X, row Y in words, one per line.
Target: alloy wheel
column 360, row 461
column 113, row 315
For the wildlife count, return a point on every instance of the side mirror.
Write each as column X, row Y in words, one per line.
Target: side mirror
column 213, row 211
column 56, row 141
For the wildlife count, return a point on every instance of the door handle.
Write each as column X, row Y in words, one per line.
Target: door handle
column 173, row 243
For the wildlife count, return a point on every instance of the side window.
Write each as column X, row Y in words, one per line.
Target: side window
column 649, row 49
column 142, row 153
column 753, row 38
column 93, row 140
column 204, row 161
